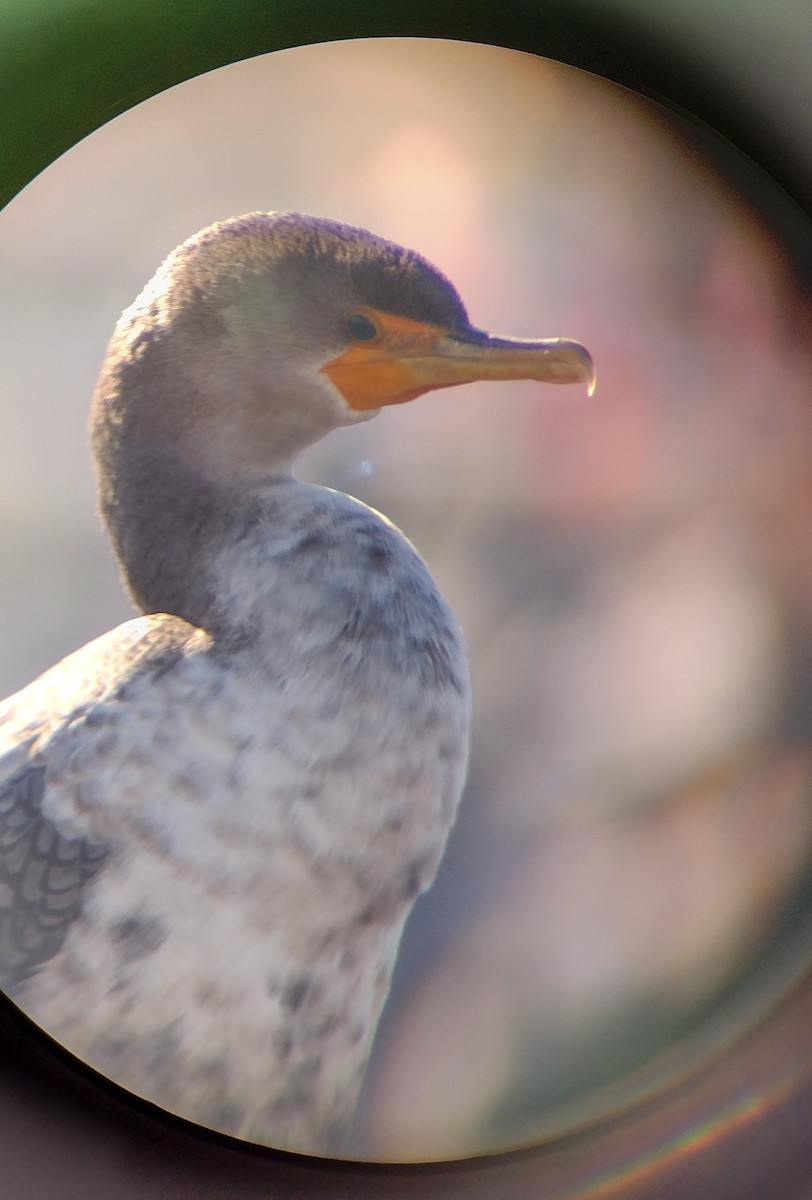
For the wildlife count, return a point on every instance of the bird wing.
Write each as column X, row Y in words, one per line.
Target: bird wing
column 46, row 855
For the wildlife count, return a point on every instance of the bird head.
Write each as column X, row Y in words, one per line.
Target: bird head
column 262, row 333
column 254, row 339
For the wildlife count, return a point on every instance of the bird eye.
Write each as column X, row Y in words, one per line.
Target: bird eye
column 361, row 327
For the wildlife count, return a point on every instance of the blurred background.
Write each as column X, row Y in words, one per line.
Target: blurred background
column 626, row 886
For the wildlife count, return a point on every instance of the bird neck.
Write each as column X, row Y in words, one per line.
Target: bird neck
column 168, row 526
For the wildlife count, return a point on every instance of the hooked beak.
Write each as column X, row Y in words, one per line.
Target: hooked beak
column 407, row 358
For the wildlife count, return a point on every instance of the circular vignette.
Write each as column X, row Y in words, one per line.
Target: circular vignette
column 68, row 68
column 76, row 1133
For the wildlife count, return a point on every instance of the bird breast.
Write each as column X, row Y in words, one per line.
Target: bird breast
column 273, row 801
column 313, row 755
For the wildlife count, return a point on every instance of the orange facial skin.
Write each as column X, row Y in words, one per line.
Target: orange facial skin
column 405, row 358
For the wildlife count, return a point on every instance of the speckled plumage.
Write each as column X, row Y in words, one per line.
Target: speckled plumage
column 259, row 863
column 214, row 820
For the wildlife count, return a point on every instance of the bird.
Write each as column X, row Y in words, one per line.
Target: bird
column 216, row 818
